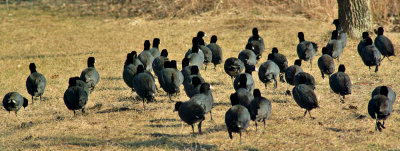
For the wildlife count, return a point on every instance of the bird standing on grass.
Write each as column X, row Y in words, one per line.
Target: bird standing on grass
column 35, row 83
column 237, row 119
column 381, row 105
column 340, row 83
column 76, row 96
column 260, row 108
column 13, row 101
column 384, row 44
column 90, row 74
column 306, row 49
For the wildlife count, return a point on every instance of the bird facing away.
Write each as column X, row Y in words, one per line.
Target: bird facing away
column 380, row 107
column 146, row 57
column 269, row 72
column 170, row 78
column 76, row 96
column 216, row 51
column 242, row 96
column 260, row 108
column 90, row 74
column 158, row 63
column 35, row 83
column 310, row 81
column 362, row 43
column 144, row 84
column 13, row 101
column 281, row 61
column 340, row 82
column 341, row 34
column 257, row 42
column 305, row 97
column 306, row 49
column 237, row 119
column 334, row 46
column 325, row 63
column 370, row 55
column 190, row 112
column 195, row 55
column 249, row 77
column 154, row 50
column 384, row 44
column 291, row 72
column 233, row 67
column 247, row 56
column 204, row 98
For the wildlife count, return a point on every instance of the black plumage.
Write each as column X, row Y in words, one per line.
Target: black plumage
column 325, row 63
column 90, row 74
column 130, row 69
column 35, row 83
column 260, row 108
column 203, row 47
column 247, row 56
column 309, row 79
column 281, row 61
column 334, row 46
column 291, row 72
column 195, row 55
column 269, row 71
column 341, row 34
column 144, row 84
column 13, row 101
column 216, row 51
column 155, row 52
column 204, row 98
column 237, row 119
column 257, row 43
column 233, row 67
column 305, row 97
column 384, row 44
column 76, row 96
column 306, row 49
column 146, row 57
column 193, row 87
column 249, row 81
column 190, row 112
column 242, row 96
column 158, row 63
column 362, row 43
column 170, row 78
column 391, row 94
column 340, row 82
column 380, row 107
column 370, row 55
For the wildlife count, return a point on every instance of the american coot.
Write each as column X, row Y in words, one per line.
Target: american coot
column 247, row 56
column 90, row 74
column 281, row 61
column 13, row 101
column 334, row 46
column 195, row 55
column 384, row 44
column 391, row 94
column 130, row 69
column 193, row 88
column 306, row 49
column 325, row 63
column 370, row 55
column 269, row 71
column 190, row 112
column 158, row 63
column 216, row 51
column 146, row 57
column 249, row 77
column 362, row 43
column 242, row 96
column 340, row 82
column 310, row 81
column 257, row 42
column 35, row 83
column 155, row 52
column 260, row 108
column 144, row 84
column 76, row 96
column 237, row 119
column 380, row 107
column 170, row 78
column 233, row 67
column 341, row 34
column 291, row 72
column 203, row 47
column 305, row 97
column 204, row 98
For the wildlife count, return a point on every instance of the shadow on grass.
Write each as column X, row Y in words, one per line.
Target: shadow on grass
column 164, row 120
column 112, row 89
column 123, row 109
column 163, row 125
column 45, row 56
column 280, row 101
column 112, row 78
column 222, row 104
column 160, row 141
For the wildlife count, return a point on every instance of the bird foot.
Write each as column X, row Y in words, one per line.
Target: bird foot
column 288, row 92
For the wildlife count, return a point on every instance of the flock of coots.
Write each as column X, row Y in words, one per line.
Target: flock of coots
column 247, row 102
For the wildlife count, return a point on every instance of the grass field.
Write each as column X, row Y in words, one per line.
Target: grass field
column 60, row 46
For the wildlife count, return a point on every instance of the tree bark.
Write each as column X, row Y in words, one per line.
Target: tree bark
column 355, row 17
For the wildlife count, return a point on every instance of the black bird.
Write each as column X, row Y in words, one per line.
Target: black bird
column 380, row 107
column 370, row 55
column 216, row 51
column 135, row 59
column 269, row 71
column 257, row 42
column 340, row 82
column 170, row 78
column 90, row 74
column 362, row 44
column 249, row 77
column 342, row 35
column 155, row 52
column 306, row 49
column 193, row 87
column 281, row 61
column 391, row 94
column 146, row 57
column 35, row 83
column 260, row 108
column 130, row 69
column 334, row 46
column 203, row 47
column 158, row 63
column 291, row 72
column 204, row 98
column 144, row 84
column 195, row 55
column 247, row 56
column 190, row 112
column 384, row 44
column 242, row 96
column 310, row 81
column 76, row 96
column 233, row 67
column 305, row 97
column 13, row 101
column 325, row 63
column 237, row 119
column 186, row 69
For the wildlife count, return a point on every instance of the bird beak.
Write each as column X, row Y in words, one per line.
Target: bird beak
column 256, row 69
column 211, row 87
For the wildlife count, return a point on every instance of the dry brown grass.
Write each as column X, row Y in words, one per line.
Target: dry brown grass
column 60, row 45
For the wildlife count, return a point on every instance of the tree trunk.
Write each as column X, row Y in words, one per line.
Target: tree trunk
column 355, row 16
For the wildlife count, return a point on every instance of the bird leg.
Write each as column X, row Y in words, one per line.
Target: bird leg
column 383, row 125
column 265, row 84
column 305, row 113
column 240, row 134
column 192, row 129
column 215, row 66
column 199, row 127
column 388, row 59
column 275, row 84
column 144, row 108
column 309, row 113
column 32, row 100
column 264, row 124
column 281, row 78
column 205, row 68
column 211, row 115
column 74, row 113
column 16, row 113
column 255, row 122
column 310, row 65
column 322, row 73
column 376, row 68
column 83, row 110
column 40, row 97
column 341, row 100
